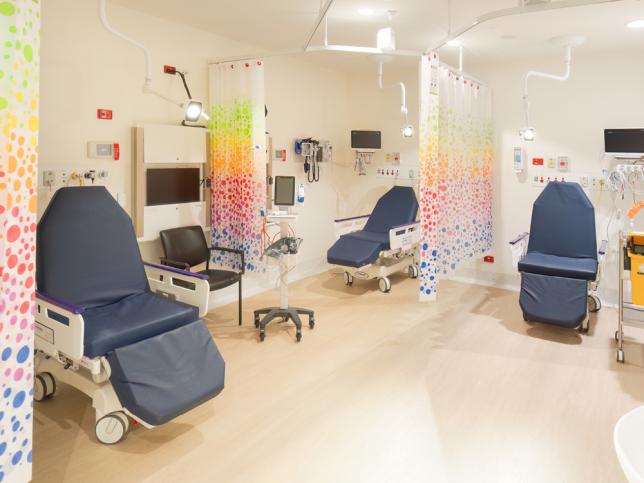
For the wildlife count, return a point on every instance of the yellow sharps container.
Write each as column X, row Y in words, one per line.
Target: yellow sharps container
column 635, row 247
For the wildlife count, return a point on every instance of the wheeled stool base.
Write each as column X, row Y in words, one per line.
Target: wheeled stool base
column 291, row 313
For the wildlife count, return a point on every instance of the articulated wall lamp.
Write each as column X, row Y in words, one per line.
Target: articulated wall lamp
column 528, row 133
column 193, row 110
column 407, row 129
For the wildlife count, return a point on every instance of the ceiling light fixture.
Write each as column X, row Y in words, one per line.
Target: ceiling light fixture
column 635, row 24
column 453, row 43
column 366, row 12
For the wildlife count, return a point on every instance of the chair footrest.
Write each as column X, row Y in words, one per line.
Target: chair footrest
column 165, row 376
column 553, row 300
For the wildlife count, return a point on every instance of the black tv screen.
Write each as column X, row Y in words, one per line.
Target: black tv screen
column 168, row 186
column 365, row 140
column 624, row 141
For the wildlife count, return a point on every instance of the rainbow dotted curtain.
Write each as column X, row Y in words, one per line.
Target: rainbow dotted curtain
column 238, row 160
column 456, row 153
column 19, row 77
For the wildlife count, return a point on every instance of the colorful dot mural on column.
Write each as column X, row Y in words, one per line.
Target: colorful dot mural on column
column 19, row 87
column 456, row 153
column 238, row 160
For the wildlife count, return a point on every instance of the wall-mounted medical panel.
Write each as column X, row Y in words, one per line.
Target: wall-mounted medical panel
column 164, row 144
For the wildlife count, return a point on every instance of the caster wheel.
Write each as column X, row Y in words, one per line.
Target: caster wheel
column 44, row 386
column 412, row 271
column 262, row 335
column 384, row 285
column 298, row 336
column 112, row 428
column 348, row 279
column 311, row 323
column 620, row 356
column 594, row 304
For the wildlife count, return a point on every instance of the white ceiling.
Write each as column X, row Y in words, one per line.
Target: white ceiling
column 275, row 25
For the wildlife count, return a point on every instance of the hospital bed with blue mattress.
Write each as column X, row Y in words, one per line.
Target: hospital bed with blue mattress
column 379, row 244
column 126, row 333
column 561, row 269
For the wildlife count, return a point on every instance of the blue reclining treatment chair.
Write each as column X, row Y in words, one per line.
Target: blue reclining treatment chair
column 379, row 244
column 127, row 334
column 560, row 271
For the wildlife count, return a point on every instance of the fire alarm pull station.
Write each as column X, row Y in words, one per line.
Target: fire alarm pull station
column 104, row 114
column 103, row 150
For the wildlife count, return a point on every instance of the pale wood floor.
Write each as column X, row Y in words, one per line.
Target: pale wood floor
column 383, row 390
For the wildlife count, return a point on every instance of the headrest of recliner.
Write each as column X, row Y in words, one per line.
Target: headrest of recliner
column 396, row 207
column 563, row 222
column 87, row 253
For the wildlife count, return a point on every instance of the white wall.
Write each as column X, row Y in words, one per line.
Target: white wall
column 85, row 68
column 603, row 91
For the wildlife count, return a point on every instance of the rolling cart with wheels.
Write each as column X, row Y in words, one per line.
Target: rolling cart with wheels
column 265, row 315
column 631, row 286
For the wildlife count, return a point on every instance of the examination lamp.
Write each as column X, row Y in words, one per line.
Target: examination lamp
column 527, row 134
column 407, row 131
column 193, row 110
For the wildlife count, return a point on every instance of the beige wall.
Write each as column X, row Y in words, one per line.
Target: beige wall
column 603, row 91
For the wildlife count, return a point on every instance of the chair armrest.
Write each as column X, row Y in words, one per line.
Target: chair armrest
column 185, row 273
column 348, row 225
column 69, row 307
column 519, row 238
column 60, row 328
column 341, row 220
column 233, row 250
column 175, row 264
column 187, row 287
column 603, row 248
column 404, row 236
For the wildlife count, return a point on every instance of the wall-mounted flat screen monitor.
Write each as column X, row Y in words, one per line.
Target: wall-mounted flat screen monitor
column 624, row 143
column 284, row 191
column 169, row 186
column 370, row 140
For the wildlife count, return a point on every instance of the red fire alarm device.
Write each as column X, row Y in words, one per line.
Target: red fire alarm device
column 537, row 161
column 488, row 259
column 117, row 151
column 104, row 114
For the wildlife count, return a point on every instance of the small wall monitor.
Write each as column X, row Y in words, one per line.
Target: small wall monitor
column 284, row 191
column 624, row 143
column 367, row 140
column 169, row 186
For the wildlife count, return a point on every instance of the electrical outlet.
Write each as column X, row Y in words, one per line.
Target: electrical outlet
column 64, row 177
column 49, row 178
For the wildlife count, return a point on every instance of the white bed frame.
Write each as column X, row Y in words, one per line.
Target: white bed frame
column 402, row 254
column 59, row 344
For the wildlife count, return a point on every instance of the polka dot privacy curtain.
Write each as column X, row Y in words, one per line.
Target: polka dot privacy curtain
column 456, row 153
column 19, row 70
column 238, row 160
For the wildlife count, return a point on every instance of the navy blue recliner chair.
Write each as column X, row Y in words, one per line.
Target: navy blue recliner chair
column 561, row 268
column 125, row 332
column 379, row 244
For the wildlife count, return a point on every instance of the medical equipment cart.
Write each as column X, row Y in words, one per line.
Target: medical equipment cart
column 629, row 313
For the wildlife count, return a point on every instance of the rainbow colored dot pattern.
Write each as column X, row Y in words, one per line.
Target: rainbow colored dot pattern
column 456, row 154
column 19, row 87
column 238, row 161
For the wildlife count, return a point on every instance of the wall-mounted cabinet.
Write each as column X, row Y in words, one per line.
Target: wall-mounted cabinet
column 165, row 195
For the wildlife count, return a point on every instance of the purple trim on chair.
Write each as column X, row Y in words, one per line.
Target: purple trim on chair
column 415, row 223
column 176, row 270
column 74, row 309
column 352, row 218
column 603, row 247
column 519, row 238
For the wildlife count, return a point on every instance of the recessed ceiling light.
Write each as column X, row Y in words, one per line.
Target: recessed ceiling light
column 367, row 12
column 635, row 24
column 453, row 43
